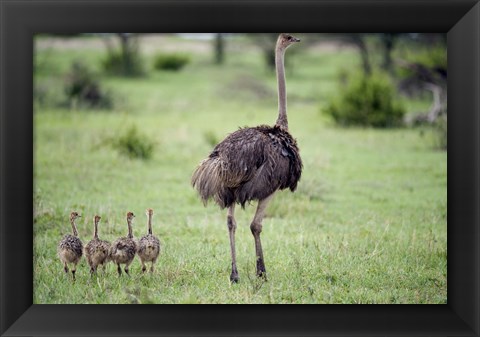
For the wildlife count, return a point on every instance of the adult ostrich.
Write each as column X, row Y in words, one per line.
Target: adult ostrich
column 252, row 164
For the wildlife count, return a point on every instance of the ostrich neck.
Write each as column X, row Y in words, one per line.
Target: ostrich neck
column 74, row 228
column 150, row 224
column 95, row 233
column 282, row 91
column 130, row 235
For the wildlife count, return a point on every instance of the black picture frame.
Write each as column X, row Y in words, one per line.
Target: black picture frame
column 20, row 20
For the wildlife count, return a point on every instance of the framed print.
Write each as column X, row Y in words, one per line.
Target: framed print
column 43, row 298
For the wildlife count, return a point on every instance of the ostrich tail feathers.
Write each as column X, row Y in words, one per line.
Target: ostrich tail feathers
column 208, row 180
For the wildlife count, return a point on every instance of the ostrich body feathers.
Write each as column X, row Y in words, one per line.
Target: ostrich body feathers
column 123, row 250
column 70, row 249
column 249, row 164
column 97, row 252
column 148, row 248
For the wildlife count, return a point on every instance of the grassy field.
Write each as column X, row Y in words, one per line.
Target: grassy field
column 366, row 225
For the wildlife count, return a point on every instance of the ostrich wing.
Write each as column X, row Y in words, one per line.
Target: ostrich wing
column 249, row 164
column 241, row 153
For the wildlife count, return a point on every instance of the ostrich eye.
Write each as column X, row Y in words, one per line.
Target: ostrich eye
column 289, row 38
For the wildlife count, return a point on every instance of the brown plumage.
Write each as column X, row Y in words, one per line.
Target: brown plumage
column 70, row 248
column 123, row 249
column 249, row 164
column 97, row 251
column 148, row 245
column 252, row 164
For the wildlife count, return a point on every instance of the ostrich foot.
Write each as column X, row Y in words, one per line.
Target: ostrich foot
column 234, row 277
column 261, row 272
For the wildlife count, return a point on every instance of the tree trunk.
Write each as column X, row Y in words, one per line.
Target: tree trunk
column 219, row 48
column 124, row 41
column 359, row 41
column 388, row 41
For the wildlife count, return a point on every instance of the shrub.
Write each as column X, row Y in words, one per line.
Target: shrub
column 432, row 58
column 118, row 64
column 211, row 138
column 366, row 101
column 124, row 58
column 134, row 145
column 83, row 90
column 421, row 67
column 173, row 62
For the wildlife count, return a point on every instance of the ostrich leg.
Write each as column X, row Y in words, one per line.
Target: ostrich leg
column 119, row 270
column 74, row 269
column 256, row 228
column 232, row 226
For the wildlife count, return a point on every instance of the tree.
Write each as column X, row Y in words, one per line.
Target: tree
column 388, row 41
column 125, row 61
column 219, row 45
column 267, row 42
column 358, row 41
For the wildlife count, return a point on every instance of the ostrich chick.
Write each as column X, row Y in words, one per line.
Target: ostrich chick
column 96, row 251
column 123, row 249
column 149, row 245
column 70, row 247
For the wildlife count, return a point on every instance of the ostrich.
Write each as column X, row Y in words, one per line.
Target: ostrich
column 252, row 164
column 149, row 245
column 96, row 251
column 70, row 247
column 123, row 249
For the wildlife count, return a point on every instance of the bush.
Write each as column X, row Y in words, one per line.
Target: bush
column 173, row 62
column 134, row 145
column 123, row 58
column 83, row 90
column 117, row 64
column 366, row 101
column 432, row 58
column 211, row 138
column 421, row 67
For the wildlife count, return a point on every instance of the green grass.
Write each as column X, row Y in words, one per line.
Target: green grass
column 366, row 225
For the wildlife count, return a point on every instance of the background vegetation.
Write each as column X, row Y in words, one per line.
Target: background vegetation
column 366, row 225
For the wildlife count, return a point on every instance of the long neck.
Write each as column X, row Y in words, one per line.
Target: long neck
column 130, row 235
column 150, row 223
column 282, row 90
column 95, row 233
column 74, row 227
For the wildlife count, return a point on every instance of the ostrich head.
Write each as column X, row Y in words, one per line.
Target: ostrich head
column 130, row 216
column 149, row 212
column 285, row 40
column 96, row 218
column 74, row 216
